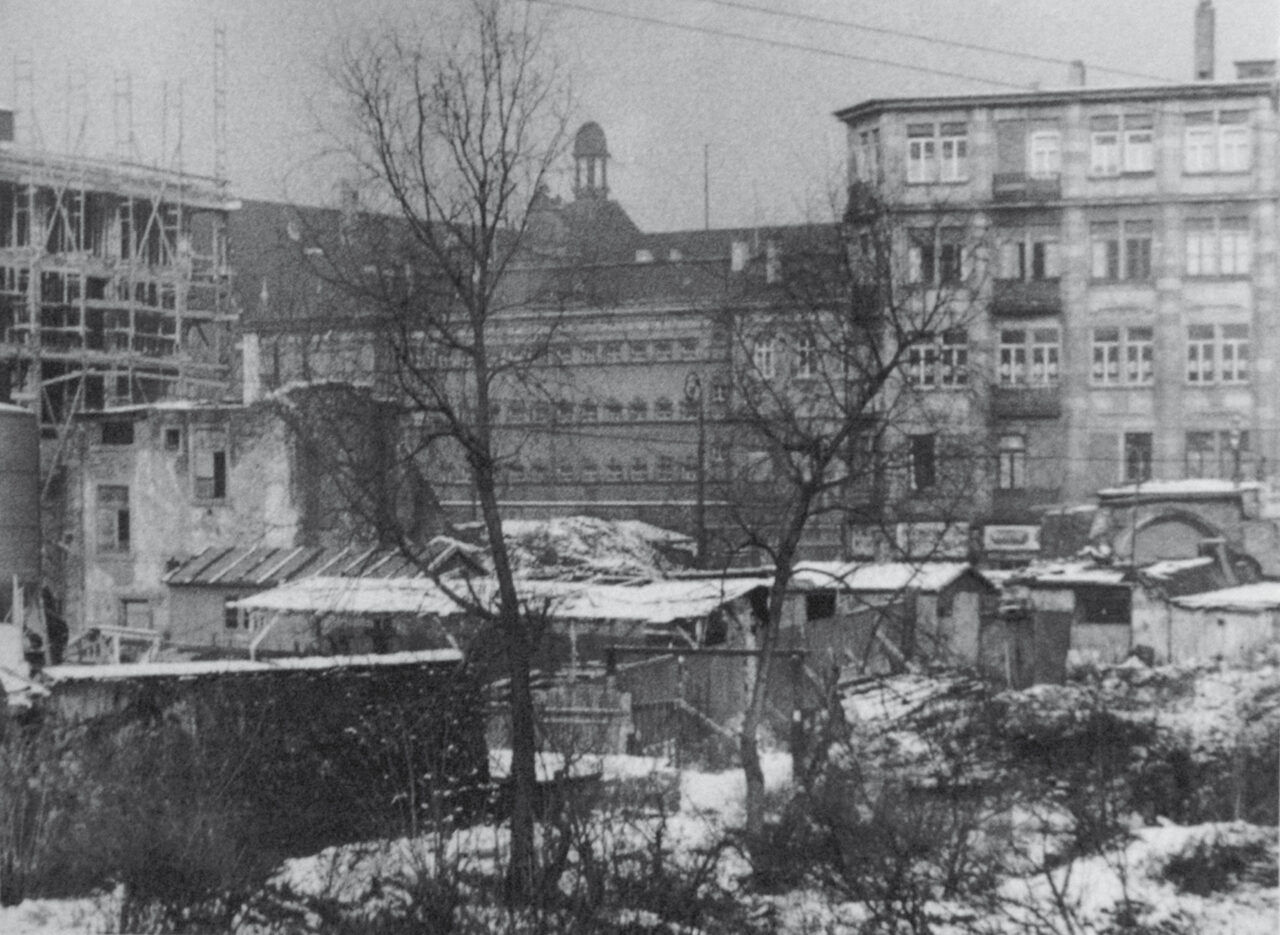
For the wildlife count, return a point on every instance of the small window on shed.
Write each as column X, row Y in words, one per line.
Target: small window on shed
column 820, row 605
column 117, row 432
column 1104, row 605
column 230, row 614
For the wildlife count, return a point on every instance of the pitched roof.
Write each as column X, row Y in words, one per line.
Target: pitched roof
column 187, row 670
column 1259, row 596
column 884, row 576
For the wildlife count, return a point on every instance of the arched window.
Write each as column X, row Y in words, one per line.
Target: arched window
column 587, row 411
column 613, row 410
column 663, row 409
column 639, row 410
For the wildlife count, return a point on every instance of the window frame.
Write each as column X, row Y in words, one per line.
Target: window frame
column 1011, row 461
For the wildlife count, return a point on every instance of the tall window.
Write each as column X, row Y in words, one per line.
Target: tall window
column 1031, row 255
column 1218, row 246
column 1012, row 462
column 114, row 531
column 1137, row 456
column 1121, row 143
column 1211, row 453
column 1123, row 356
column 936, row 256
column 1029, row 356
column 922, row 452
column 1217, row 141
column 1045, row 153
column 939, row 361
column 764, row 358
column 937, row 152
column 806, row 359
column 868, row 155
column 1120, row 250
column 209, row 464
column 1218, row 353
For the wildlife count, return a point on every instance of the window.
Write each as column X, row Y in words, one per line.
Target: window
column 613, row 409
column 1212, row 454
column 638, row 350
column 1217, row 142
column 639, row 410
column 590, row 471
column 1045, row 154
column 940, row 361
column 688, row 348
column 210, row 468
column 1121, row 144
column 663, row 409
column 666, row 468
column 1137, row 456
column 230, row 614
column 538, row 472
column 117, row 432
column 564, row 470
column 1139, row 143
column 763, row 358
column 564, row 411
column 587, row 352
column 937, row 152
column 1012, row 462
column 1032, row 255
column 1121, row 250
column 1217, row 353
column 923, row 464
column 614, row 470
column 867, row 156
column 113, row 518
column 611, row 352
column 516, row 411
column 1029, row 356
column 806, row 358
column 1218, row 246
column 173, row 439
column 588, row 411
column 639, row 469
column 820, row 605
column 663, row 350
column 1123, row 356
column 936, row 256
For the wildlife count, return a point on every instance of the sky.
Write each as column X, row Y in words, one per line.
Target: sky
column 671, row 82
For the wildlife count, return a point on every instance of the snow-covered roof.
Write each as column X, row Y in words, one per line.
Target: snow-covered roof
column 587, row 544
column 1071, row 572
column 1261, row 595
column 1175, row 566
column 1191, row 488
column 133, row 670
column 648, row 602
column 882, row 576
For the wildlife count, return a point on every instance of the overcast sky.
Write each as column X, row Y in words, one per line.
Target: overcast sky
column 661, row 92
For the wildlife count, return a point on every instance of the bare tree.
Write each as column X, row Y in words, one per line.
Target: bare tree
column 825, row 402
column 452, row 147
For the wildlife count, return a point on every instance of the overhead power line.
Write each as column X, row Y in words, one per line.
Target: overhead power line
column 783, row 44
column 919, row 37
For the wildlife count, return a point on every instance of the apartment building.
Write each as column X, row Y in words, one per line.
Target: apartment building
column 1125, row 330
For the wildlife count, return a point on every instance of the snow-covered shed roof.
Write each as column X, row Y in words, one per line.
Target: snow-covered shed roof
column 134, row 670
column 1259, row 596
column 1053, row 574
column 884, row 576
column 648, row 602
column 1195, row 488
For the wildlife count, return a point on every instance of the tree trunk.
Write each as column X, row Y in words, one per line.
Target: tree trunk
column 522, row 872
column 749, row 751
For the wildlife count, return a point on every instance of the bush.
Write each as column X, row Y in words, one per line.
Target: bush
column 1216, row 865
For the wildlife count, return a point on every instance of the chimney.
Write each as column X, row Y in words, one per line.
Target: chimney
column 6, row 125
column 738, row 256
column 1204, row 41
column 1075, row 74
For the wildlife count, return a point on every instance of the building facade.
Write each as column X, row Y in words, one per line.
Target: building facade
column 1125, row 330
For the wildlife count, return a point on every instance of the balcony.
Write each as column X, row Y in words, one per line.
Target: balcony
column 1018, row 186
column 1015, row 298
column 1026, row 402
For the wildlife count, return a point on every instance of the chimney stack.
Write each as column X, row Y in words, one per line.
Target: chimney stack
column 1204, row 41
column 1075, row 74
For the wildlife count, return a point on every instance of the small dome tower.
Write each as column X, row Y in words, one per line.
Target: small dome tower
column 590, row 162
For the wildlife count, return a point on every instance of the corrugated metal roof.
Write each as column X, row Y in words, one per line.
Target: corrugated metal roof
column 259, row 567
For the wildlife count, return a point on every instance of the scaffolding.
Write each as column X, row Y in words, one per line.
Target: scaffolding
column 114, row 283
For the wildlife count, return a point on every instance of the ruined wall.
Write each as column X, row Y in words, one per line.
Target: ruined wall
column 138, row 505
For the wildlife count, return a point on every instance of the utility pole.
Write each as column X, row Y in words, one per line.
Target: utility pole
column 693, row 395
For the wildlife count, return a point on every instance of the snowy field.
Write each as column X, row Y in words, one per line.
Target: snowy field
column 691, row 810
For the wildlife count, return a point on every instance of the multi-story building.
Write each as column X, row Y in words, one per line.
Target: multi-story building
column 1129, row 235
column 114, row 282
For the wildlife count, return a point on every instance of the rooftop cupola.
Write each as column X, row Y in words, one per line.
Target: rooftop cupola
column 590, row 162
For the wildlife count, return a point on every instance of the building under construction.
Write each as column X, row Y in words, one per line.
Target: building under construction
column 114, row 283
